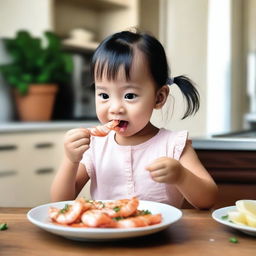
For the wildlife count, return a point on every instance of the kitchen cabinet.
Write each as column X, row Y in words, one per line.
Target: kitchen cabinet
column 28, row 163
column 231, row 161
column 102, row 17
column 234, row 171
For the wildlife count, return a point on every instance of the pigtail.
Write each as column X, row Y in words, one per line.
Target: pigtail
column 190, row 93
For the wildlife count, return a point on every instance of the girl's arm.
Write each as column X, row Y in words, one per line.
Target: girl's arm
column 189, row 176
column 69, row 181
column 72, row 175
column 195, row 182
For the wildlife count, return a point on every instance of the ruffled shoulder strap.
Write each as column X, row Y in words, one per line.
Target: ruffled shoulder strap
column 176, row 143
column 180, row 143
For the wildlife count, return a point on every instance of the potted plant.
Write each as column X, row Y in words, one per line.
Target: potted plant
column 37, row 67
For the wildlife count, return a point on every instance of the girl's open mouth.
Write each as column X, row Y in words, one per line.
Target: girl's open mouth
column 122, row 125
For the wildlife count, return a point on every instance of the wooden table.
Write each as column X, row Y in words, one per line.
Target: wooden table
column 195, row 234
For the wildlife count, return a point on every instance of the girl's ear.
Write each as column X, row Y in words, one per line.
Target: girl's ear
column 161, row 96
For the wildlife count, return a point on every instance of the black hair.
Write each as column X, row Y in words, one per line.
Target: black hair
column 118, row 50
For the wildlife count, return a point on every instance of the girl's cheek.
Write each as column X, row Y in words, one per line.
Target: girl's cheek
column 101, row 114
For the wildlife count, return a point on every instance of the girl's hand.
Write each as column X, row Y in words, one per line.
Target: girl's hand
column 166, row 170
column 76, row 142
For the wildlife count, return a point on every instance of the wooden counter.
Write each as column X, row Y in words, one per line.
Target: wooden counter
column 234, row 171
column 195, row 234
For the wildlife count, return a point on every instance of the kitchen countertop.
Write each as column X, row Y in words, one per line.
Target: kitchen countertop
column 196, row 233
column 230, row 143
column 44, row 126
column 201, row 143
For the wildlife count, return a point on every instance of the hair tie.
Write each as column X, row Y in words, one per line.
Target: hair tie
column 170, row 80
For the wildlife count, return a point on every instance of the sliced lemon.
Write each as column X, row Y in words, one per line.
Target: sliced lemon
column 251, row 221
column 237, row 217
column 247, row 207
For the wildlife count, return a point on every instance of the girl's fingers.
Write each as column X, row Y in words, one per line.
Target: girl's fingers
column 155, row 166
column 161, row 179
column 82, row 148
column 158, row 173
column 84, row 131
column 76, row 136
column 80, row 142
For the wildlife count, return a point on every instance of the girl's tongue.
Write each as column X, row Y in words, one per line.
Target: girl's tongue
column 122, row 125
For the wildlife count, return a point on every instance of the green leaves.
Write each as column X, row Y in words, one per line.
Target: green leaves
column 65, row 208
column 117, row 208
column 225, row 217
column 36, row 62
column 3, row 226
column 233, row 240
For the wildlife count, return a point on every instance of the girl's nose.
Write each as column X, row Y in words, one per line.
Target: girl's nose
column 116, row 108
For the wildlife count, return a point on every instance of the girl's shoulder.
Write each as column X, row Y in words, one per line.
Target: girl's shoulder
column 174, row 136
column 175, row 140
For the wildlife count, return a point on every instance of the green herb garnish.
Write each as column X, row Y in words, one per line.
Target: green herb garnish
column 3, row 226
column 65, row 208
column 145, row 212
column 142, row 212
column 116, row 209
column 118, row 218
column 225, row 217
column 233, row 240
column 102, row 204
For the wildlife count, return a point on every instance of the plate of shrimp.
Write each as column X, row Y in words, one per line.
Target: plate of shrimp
column 95, row 220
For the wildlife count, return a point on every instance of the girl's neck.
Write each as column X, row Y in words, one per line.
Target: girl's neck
column 145, row 134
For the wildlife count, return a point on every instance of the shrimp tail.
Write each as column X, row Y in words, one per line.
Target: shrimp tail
column 103, row 130
column 97, row 218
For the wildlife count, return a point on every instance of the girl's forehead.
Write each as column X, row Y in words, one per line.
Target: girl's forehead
column 122, row 72
column 120, row 75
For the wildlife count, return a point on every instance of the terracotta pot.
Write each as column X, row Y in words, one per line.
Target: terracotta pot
column 37, row 104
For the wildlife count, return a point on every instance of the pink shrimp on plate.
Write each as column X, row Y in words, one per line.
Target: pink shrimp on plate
column 140, row 221
column 122, row 213
column 121, row 208
column 103, row 130
column 97, row 218
column 70, row 213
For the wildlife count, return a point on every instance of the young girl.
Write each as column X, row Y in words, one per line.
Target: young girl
column 136, row 158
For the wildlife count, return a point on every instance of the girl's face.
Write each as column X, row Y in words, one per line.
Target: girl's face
column 132, row 102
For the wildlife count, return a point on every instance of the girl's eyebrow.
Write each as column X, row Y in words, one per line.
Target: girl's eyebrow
column 97, row 87
column 125, row 87
column 131, row 86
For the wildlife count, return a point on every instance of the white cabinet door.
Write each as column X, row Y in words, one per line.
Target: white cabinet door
column 28, row 164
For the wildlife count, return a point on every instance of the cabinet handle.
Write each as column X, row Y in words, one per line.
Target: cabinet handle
column 42, row 171
column 8, row 147
column 44, row 145
column 7, row 173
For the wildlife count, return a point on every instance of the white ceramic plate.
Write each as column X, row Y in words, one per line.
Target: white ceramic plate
column 220, row 213
column 39, row 217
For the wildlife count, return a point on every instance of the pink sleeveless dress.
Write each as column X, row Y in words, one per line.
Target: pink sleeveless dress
column 118, row 172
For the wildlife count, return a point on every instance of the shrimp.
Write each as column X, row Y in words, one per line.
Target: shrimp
column 121, row 208
column 103, row 130
column 70, row 213
column 97, row 218
column 109, row 214
column 139, row 221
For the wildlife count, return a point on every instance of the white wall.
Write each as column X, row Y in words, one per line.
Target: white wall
column 186, row 48
column 34, row 15
column 219, row 67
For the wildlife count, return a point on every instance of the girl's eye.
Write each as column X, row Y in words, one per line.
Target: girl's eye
column 130, row 96
column 104, row 96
